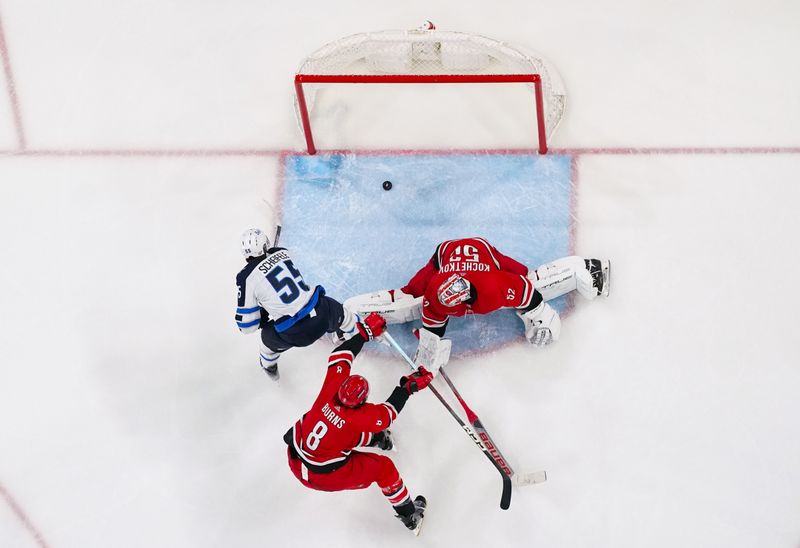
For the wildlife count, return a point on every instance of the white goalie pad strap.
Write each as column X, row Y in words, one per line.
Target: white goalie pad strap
column 394, row 305
column 562, row 276
column 433, row 352
column 542, row 325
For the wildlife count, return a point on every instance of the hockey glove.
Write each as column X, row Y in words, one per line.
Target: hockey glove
column 382, row 440
column 542, row 325
column 417, row 380
column 372, row 326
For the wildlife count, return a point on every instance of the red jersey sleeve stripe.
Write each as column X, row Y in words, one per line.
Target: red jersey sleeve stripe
column 430, row 322
column 527, row 294
column 343, row 355
column 392, row 411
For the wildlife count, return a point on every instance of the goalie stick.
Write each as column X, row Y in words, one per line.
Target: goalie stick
column 480, row 440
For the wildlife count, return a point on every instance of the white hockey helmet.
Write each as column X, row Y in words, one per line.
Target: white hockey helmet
column 254, row 243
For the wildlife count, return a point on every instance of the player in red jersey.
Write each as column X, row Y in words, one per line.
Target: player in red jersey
column 321, row 445
column 470, row 276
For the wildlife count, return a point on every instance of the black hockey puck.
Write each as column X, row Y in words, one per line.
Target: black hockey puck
column 387, row 185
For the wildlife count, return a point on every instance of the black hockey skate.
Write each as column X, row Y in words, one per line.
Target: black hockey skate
column 382, row 440
column 601, row 275
column 272, row 371
column 414, row 521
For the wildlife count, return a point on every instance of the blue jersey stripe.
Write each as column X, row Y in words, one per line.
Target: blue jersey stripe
column 283, row 325
column 248, row 324
column 247, row 310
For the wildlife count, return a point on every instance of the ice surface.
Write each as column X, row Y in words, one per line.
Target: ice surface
column 132, row 413
column 356, row 237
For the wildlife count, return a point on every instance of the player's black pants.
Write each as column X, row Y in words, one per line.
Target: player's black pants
column 326, row 317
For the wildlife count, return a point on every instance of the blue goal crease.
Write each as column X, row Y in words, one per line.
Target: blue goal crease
column 348, row 234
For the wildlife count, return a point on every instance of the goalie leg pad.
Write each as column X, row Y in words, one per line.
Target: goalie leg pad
column 562, row 276
column 394, row 305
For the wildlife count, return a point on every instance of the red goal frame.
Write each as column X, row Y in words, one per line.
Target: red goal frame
column 534, row 79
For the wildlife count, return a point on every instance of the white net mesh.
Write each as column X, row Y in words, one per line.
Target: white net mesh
column 429, row 52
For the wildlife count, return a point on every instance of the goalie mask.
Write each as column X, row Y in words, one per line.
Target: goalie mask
column 354, row 391
column 455, row 290
column 254, row 243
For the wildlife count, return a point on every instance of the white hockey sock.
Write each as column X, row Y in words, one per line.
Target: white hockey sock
column 268, row 356
column 348, row 325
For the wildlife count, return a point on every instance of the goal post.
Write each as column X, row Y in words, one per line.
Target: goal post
column 429, row 56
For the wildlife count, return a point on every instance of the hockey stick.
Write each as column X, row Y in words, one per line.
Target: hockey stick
column 505, row 470
column 519, row 480
column 277, row 224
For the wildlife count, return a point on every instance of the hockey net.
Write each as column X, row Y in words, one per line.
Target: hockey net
column 430, row 57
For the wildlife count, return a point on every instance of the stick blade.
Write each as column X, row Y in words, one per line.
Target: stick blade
column 505, row 498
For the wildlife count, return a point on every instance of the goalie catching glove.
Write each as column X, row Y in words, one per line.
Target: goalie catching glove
column 542, row 324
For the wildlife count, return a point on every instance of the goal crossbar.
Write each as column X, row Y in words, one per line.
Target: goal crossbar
column 534, row 79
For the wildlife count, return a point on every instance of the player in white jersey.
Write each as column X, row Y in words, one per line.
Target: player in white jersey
column 274, row 297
